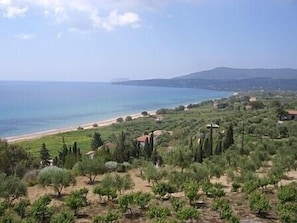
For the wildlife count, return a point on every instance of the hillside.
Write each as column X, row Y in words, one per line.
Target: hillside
column 226, row 73
column 229, row 79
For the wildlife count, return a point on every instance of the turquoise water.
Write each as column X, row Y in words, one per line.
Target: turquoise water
column 29, row 107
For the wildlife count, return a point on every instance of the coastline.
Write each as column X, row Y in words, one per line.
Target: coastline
column 37, row 135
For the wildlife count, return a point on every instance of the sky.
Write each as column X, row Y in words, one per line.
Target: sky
column 102, row 40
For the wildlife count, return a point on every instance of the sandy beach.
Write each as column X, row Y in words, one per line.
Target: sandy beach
column 101, row 123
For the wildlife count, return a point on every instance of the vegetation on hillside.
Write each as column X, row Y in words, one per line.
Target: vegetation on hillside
column 232, row 161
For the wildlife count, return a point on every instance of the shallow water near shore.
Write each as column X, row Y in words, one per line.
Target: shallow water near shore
column 28, row 107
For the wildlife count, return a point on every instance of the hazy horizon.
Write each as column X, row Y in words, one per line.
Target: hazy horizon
column 98, row 41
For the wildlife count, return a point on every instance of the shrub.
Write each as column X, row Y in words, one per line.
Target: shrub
column 191, row 189
column 110, row 216
column 176, row 203
column 158, row 212
column 287, row 193
column 260, row 203
column 111, row 165
column 63, row 217
column 186, row 213
column 163, row 188
column 235, row 187
column 120, row 120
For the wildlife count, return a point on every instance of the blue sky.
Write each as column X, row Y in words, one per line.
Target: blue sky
column 100, row 40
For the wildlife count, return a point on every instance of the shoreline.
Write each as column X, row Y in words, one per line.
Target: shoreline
column 38, row 135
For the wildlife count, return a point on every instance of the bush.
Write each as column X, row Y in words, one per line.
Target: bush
column 191, row 189
column 111, row 165
column 163, row 189
column 158, row 212
column 110, row 216
column 176, row 203
column 128, row 119
column 31, row 177
column 260, row 203
column 63, row 217
column 287, row 193
column 235, row 187
column 120, row 120
column 186, row 213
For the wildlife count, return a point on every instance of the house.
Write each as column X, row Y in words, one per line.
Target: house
column 291, row 115
column 90, row 154
column 141, row 139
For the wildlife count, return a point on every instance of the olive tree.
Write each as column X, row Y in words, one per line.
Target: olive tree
column 56, row 177
column 90, row 168
column 11, row 188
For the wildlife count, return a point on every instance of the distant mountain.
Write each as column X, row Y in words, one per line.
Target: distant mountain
column 121, row 79
column 229, row 79
column 226, row 73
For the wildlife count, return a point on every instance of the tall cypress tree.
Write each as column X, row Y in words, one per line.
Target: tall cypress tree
column 229, row 138
column 96, row 141
column 44, row 155
column 147, row 149
column 206, row 148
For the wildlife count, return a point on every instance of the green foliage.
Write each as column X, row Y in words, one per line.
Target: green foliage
column 225, row 210
column 250, row 186
column 11, row 188
column 63, row 217
column 180, row 157
column 191, row 189
column 151, row 173
column 128, row 118
column 257, row 105
column 287, row 212
column 126, row 200
column 158, row 213
column 176, row 203
column 90, row 168
column 140, row 199
column 259, row 202
column 40, row 209
column 108, row 217
column 77, row 199
column 163, row 188
column 229, row 138
column 287, row 193
column 56, row 177
column 111, row 184
column 96, row 141
column 44, row 155
column 186, row 213
column 110, row 192
column 14, row 160
column 122, row 183
column 21, row 207
column 235, row 187
column 120, row 119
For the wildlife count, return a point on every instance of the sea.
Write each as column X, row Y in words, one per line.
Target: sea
column 31, row 107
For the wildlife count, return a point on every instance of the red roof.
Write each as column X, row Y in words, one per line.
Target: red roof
column 292, row 112
column 142, row 138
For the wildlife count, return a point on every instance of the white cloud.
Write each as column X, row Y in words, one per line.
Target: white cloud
column 104, row 14
column 12, row 11
column 115, row 19
column 25, row 36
